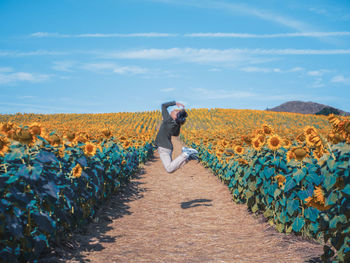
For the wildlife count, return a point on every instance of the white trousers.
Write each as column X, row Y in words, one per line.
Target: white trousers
column 169, row 164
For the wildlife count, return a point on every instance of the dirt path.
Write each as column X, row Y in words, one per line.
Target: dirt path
column 187, row 216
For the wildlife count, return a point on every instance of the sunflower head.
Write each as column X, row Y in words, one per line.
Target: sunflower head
column 69, row 136
column 23, row 136
column 35, row 128
column 290, row 155
column 6, row 127
column 4, row 142
column 308, row 130
column 242, row 161
column 274, row 142
column 267, row 129
column 239, row 149
column 90, row 149
column 256, row 143
column 280, row 179
column 319, row 194
column 301, row 138
column 106, row 133
column 286, row 143
column 54, row 140
column 300, row 153
column 77, row 170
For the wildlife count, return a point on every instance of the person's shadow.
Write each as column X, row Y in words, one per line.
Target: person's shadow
column 196, row 202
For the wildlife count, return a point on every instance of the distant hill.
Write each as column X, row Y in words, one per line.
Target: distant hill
column 306, row 108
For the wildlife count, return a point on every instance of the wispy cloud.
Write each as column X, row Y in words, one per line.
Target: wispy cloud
column 100, row 35
column 202, row 93
column 340, row 79
column 114, row 68
column 167, row 89
column 65, row 65
column 317, row 73
column 240, row 9
column 193, row 35
column 12, row 77
column 246, row 56
column 280, row 35
column 12, row 53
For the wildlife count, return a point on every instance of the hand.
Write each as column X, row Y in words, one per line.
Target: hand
column 180, row 104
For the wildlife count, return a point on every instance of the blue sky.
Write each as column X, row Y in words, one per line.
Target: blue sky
column 87, row 56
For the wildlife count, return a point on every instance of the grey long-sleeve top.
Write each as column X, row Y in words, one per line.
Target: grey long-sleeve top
column 168, row 128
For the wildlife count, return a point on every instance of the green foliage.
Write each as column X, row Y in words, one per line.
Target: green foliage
column 41, row 200
column 285, row 206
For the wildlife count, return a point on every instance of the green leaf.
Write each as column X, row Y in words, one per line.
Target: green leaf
column 277, row 193
column 298, row 176
column 346, row 189
column 311, row 214
column 337, row 219
column 298, row 224
column 292, row 206
column 280, row 227
column 289, row 185
column 255, row 208
column 12, row 179
column 268, row 213
column 332, row 199
column 329, row 181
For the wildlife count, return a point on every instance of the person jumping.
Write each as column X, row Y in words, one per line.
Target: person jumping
column 171, row 127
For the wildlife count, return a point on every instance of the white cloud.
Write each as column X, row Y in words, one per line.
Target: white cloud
column 340, row 79
column 112, row 67
column 65, row 66
column 12, row 53
column 221, row 94
column 317, row 73
column 6, row 69
column 26, row 97
column 214, row 55
column 243, row 9
column 247, row 35
column 12, row 77
column 130, row 70
column 99, row 35
column 46, row 34
column 167, row 89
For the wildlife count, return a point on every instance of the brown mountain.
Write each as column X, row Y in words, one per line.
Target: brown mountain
column 303, row 107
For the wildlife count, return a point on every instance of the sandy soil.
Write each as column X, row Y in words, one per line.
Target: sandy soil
column 186, row 216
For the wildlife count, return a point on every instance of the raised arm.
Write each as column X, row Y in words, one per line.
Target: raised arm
column 165, row 112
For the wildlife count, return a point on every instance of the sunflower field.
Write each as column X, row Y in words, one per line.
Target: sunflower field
column 292, row 168
column 55, row 170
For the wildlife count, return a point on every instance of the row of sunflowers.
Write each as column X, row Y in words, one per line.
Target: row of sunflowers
column 56, row 170
column 293, row 168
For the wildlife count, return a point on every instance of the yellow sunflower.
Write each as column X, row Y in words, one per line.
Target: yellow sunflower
column 308, row 130
column 256, row 143
column 69, row 136
column 90, row 149
column 286, row 143
column 35, row 128
column 239, row 149
column 107, row 133
column 274, row 142
column 23, row 136
column 267, row 129
column 290, row 155
column 3, row 145
column 77, row 170
column 300, row 153
column 319, row 195
column 280, row 179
